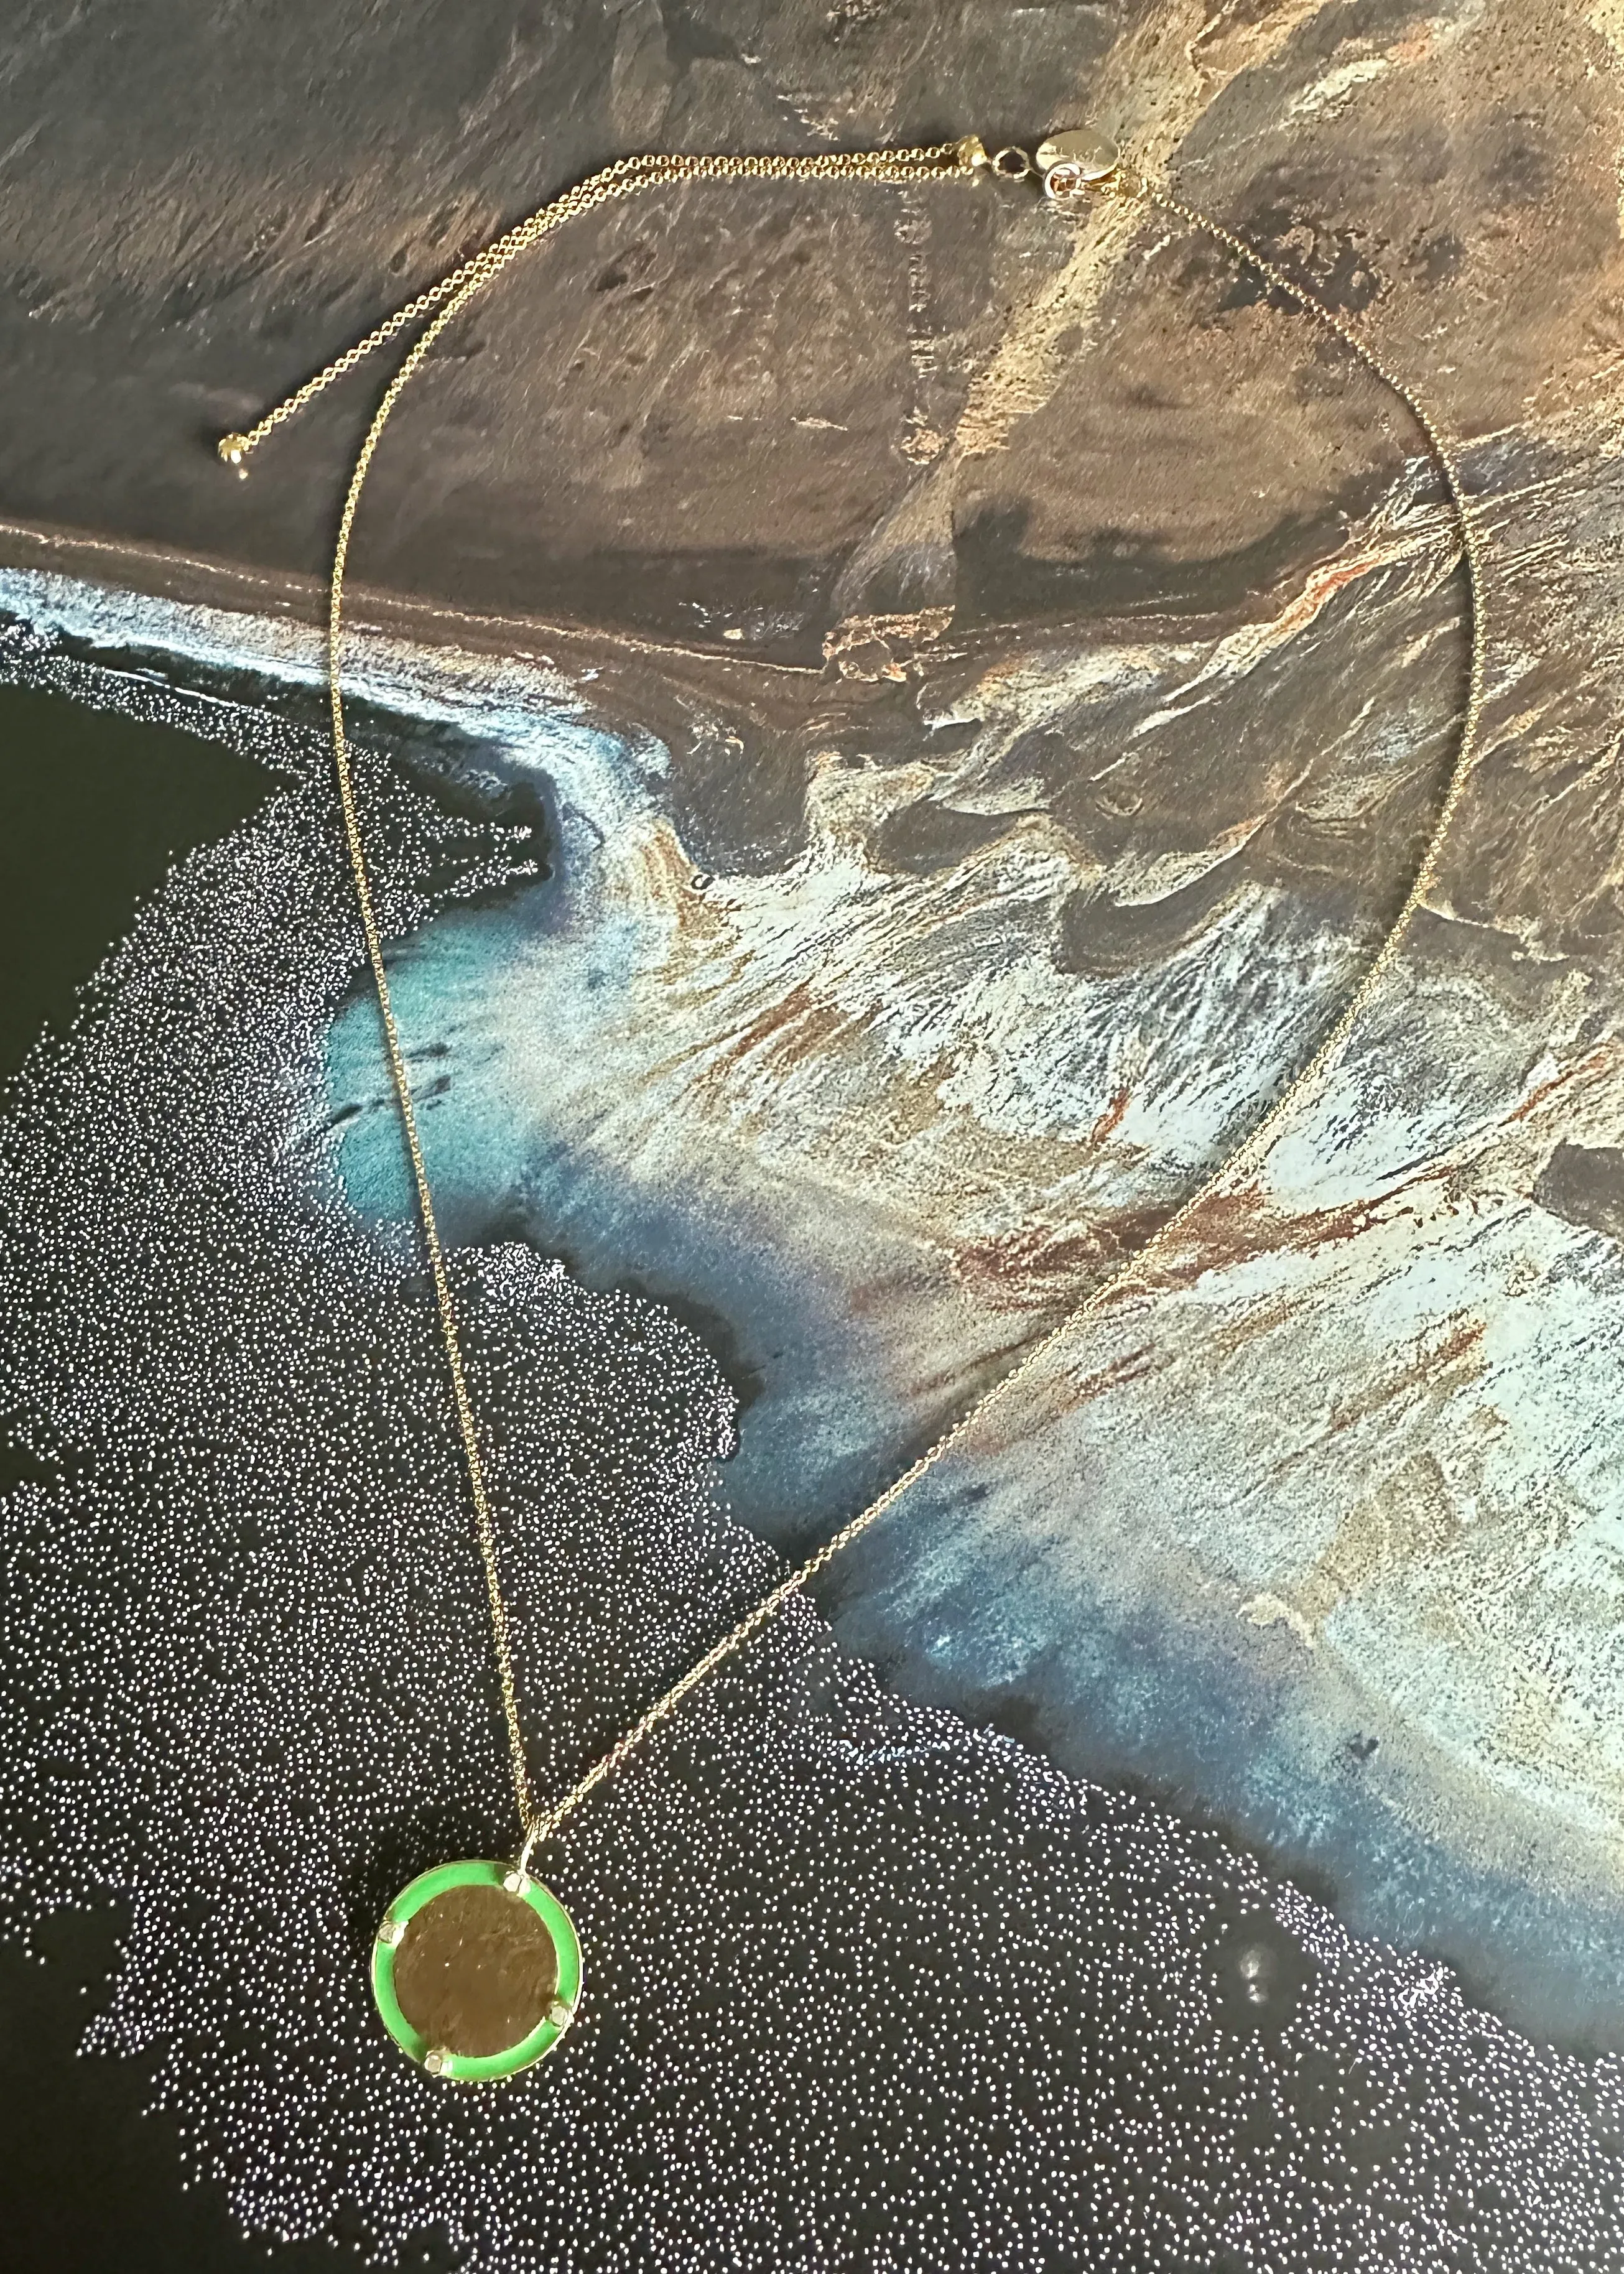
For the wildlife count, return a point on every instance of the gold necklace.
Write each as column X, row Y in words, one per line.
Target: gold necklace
column 477, row 1965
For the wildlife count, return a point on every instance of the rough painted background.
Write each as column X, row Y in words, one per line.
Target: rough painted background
column 1048, row 652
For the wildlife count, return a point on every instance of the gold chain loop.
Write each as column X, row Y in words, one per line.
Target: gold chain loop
column 443, row 302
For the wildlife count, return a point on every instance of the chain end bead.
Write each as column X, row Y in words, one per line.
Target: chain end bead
column 232, row 450
column 972, row 153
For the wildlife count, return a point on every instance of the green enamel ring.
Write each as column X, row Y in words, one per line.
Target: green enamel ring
column 478, row 2067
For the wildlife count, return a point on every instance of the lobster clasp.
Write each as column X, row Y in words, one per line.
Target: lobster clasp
column 1075, row 159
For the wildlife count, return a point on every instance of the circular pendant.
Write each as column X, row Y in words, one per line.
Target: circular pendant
column 477, row 1970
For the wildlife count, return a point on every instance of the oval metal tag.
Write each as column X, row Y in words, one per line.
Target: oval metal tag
column 1095, row 155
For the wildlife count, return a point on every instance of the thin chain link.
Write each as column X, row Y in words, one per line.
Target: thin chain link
column 626, row 178
column 443, row 302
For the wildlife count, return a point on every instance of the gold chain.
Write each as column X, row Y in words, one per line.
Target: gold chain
column 1066, row 185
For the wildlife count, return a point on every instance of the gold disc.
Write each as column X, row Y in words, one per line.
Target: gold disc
column 476, row 1969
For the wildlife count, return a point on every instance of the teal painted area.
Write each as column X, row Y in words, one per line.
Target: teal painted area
column 535, row 1145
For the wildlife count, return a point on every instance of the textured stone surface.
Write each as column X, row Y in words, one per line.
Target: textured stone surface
column 1049, row 651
